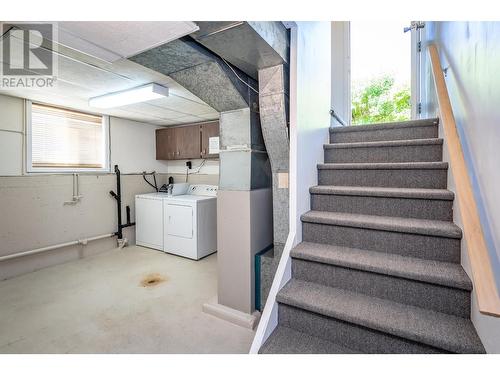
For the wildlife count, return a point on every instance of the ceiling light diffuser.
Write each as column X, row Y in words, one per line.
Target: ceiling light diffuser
column 139, row 94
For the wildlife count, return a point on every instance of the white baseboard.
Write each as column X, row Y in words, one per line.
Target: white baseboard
column 237, row 317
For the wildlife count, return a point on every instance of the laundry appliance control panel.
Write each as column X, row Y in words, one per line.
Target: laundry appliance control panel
column 205, row 190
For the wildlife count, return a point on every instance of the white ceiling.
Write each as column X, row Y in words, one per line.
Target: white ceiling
column 81, row 76
column 116, row 40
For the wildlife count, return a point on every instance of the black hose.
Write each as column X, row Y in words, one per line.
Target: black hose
column 149, row 183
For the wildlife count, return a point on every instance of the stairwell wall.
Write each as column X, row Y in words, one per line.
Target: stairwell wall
column 313, row 105
column 470, row 54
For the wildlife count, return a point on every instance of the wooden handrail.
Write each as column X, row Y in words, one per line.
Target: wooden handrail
column 482, row 273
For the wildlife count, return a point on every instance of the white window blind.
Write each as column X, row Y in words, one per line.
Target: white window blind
column 65, row 139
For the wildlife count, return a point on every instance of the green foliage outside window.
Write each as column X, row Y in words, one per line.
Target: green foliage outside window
column 380, row 101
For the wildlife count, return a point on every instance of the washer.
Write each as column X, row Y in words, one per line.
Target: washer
column 149, row 220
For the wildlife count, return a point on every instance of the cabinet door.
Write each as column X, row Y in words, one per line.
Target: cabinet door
column 187, row 142
column 165, row 144
column 208, row 130
column 161, row 144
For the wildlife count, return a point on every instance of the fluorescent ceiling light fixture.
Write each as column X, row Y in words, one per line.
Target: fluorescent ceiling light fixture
column 139, row 94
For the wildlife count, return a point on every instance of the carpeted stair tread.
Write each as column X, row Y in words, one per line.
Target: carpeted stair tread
column 387, row 125
column 429, row 271
column 396, row 143
column 436, row 228
column 285, row 340
column 441, row 194
column 407, row 165
column 432, row 328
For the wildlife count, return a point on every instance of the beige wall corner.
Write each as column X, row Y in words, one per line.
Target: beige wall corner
column 244, row 227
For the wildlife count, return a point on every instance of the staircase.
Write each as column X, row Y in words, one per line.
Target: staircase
column 378, row 270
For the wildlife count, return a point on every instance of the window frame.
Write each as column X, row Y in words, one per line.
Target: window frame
column 35, row 170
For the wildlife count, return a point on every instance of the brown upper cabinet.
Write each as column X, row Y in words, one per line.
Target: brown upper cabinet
column 186, row 141
column 161, row 142
column 209, row 130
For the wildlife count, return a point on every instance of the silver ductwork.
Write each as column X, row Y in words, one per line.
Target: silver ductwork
column 250, row 46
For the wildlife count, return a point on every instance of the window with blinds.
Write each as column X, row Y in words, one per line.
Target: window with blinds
column 63, row 139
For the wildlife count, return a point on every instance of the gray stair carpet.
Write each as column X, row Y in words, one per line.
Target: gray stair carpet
column 378, row 270
column 289, row 341
column 384, row 151
column 433, row 204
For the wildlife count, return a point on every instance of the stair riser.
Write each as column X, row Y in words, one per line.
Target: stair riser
column 407, row 244
column 410, row 292
column 347, row 334
column 417, row 132
column 384, row 206
column 402, row 178
column 395, row 154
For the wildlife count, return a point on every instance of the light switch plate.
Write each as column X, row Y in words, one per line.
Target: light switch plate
column 283, row 180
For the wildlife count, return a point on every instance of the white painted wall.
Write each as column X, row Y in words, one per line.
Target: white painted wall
column 133, row 146
column 199, row 166
column 11, row 135
column 33, row 215
column 313, row 80
column 471, row 52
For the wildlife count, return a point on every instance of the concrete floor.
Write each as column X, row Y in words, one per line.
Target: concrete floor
column 98, row 305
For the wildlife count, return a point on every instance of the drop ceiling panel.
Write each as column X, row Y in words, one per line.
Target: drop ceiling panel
column 140, row 73
column 96, row 80
column 150, row 108
column 111, row 41
column 184, row 106
column 210, row 116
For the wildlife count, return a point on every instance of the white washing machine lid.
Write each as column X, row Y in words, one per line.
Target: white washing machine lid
column 158, row 196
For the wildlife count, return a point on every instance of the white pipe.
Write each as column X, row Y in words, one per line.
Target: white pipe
column 53, row 247
column 76, row 190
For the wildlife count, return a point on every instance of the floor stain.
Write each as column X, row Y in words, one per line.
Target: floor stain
column 152, row 280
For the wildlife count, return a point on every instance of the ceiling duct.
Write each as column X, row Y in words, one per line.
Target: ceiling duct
column 219, row 63
column 250, row 46
column 202, row 72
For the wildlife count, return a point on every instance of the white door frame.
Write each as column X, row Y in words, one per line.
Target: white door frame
column 341, row 71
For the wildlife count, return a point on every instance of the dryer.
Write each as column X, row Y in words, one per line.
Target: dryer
column 190, row 222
